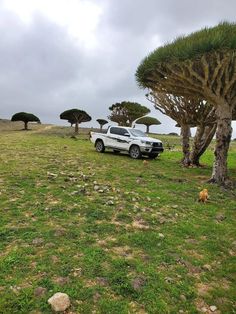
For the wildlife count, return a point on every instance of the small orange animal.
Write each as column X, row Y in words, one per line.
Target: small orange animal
column 145, row 162
column 203, row 196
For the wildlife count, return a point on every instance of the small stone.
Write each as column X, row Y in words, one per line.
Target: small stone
column 39, row 292
column 38, row 241
column 59, row 302
column 102, row 281
column 110, row 202
column 204, row 309
column 96, row 297
column 138, row 283
column 213, row 308
column 161, row 235
column 207, row 267
column 183, row 297
column 96, row 188
column 61, row 281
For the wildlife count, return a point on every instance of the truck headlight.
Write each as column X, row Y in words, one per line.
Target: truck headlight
column 146, row 143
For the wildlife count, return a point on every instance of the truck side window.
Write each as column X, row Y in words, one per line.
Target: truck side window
column 123, row 132
column 115, row 130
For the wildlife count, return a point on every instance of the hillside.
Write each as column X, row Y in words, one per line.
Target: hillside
column 115, row 234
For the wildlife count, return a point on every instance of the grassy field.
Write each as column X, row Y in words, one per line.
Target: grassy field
column 114, row 234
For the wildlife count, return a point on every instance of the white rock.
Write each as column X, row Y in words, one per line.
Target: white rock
column 213, row 308
column 59, row 302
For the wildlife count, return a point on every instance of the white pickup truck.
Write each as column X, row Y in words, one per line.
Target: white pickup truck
column 133, row 141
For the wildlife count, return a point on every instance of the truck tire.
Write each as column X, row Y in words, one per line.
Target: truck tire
column 135, row 152
column 100, row 148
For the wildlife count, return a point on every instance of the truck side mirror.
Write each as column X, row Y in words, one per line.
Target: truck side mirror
column 126, row 134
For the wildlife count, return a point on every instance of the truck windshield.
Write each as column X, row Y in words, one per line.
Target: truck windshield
column 137, row 133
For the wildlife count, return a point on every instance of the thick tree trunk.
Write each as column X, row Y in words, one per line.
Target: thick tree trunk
column 147, row 129
column 100, row 126
column 76, row 127
column 202, row 140
column 26, row 125
column 223, row 137
column 185, row 131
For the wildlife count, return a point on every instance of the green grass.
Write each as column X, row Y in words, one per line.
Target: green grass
column 144, row 227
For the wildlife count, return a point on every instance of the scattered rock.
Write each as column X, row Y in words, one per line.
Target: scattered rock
column 102, row 281
column 60, row 232
column 39, row 292
column 138, row 283
column 183, row 297
column 207, row 267
column 213, row 308
column 38, row 241
column 169, row 280
column 96, row 187
column 59, row 302
column 161, row 235
column 96, row 297
column 61, row 281
column 51, row 175
column 110, row 202
column 220, row 217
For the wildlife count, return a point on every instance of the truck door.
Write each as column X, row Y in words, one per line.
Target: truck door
column 117, row 138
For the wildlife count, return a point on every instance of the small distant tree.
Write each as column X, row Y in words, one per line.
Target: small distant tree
column 75, row 116
column 148, row 121
column 126, row 112
column 102, row 122
column 25, row 117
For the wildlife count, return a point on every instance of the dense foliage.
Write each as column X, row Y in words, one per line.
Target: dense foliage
column 25, row 117
column 126, row 112
column 221, row 37
column 75, row 116
column 148, row 121
column 102, row 122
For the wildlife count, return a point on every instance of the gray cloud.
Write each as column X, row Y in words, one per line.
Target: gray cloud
column 45, row 71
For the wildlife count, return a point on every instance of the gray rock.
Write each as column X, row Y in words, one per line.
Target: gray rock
column 59, row 302
column 138, row 283
column 39, row 292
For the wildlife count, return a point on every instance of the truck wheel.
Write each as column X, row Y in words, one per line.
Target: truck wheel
column 135, row 152
column 100, row 146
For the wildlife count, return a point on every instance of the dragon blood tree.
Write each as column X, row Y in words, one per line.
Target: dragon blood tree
column 148, row 121
column 126, row 112
column 202, row 64
column 101, row 122
column 25, row 117
column 75, row 116
column 188, row 112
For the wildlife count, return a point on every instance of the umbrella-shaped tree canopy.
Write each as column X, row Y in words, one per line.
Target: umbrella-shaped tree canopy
column 75, row 116
column 148, row 121
column 102, row 122
column 126, row 112
column 25, row 117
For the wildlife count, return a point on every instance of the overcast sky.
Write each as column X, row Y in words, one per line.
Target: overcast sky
column 62, row 54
